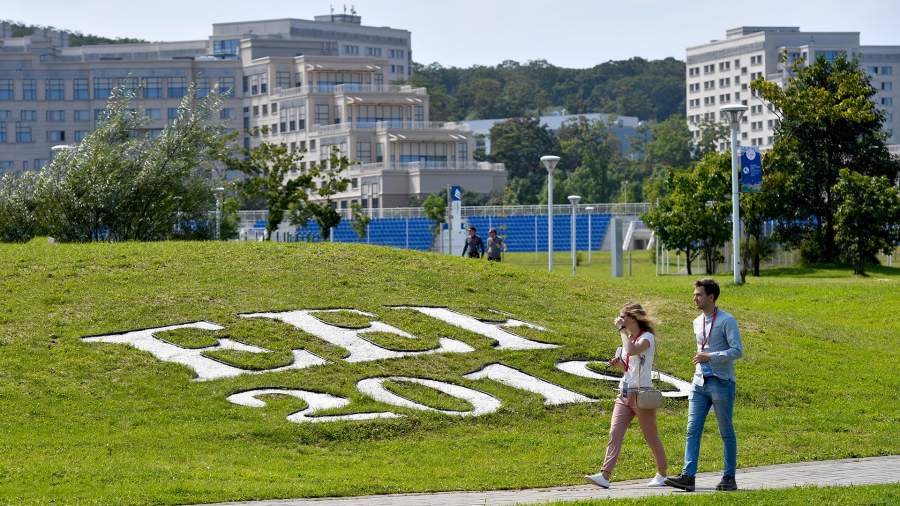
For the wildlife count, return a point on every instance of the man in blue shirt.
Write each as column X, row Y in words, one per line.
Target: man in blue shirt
column 718, row 346
column 474, row 245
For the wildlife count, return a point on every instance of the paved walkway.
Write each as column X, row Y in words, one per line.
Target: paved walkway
column 866, row 471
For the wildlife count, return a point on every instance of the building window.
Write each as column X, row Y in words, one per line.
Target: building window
column 56, row 135
column 283, row 79
column 29, row 89
column 254, row 85
column 129, row 84
column 265, row 109
column 255, row 111
column 23, row 133
column 99, row 114
column 80, row 135
column 264, row 83
column 27, row 115
column 888, row 101
column 6, row 89
column 887, row 86
column 323, row 114
column 54, row 89
column 153, row 113
column 7, row 165
column 398, row 53
column 364, row 152
column 80, row 89
column 102, row 87
column 274, row 108
column 176, row 87
column 172, row 114
column 56, row 115
column 202, row 88
column 226, row 113
column 373, row 51
column 2, row 133
column 887, row 71
column 226, row 47
column 152, row 87
column 351, row 50
column 226, row 86
column 39, row 163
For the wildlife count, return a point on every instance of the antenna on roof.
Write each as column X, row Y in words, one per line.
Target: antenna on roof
column 345, row 8
column 332, row 9
column 353, row 10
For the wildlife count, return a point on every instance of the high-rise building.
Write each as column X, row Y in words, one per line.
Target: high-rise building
column 719, row 73
column 309, row 85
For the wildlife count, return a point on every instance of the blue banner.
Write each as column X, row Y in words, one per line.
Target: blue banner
column 751, row 169
column 455, row 193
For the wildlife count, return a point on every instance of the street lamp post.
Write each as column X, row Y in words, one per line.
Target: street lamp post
column 574, row 200
column 219, row 192
column 590, row 210
column 549, row 162
column 734, row 113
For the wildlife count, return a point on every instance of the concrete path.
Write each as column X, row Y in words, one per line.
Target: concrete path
column 867, row 471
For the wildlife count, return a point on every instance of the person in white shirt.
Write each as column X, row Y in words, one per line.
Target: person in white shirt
column 636, row 362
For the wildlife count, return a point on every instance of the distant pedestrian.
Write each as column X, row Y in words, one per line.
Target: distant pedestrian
column 495, row 246
column 718, row 346
column 474, row 245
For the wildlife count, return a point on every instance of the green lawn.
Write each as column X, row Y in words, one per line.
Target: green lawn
column 102, row 423
column 869, row 495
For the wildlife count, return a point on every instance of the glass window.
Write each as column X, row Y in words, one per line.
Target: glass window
column 54, row 89
column 102, row 87
column 153, row 113
column 887, row 101
column 264, row 83
column 226, row 47
column 81, row 134
column 99, row 114
column 56, row 135
column 226, row 113
column 887, row 86
column 364, row 152
column 283, row 79
column 177, row 86
column 2, row 133
column 887, row 71
column 172, row 113
column 153, row 87
column 7, row 165
column 202, row 87
column 129, row 84
column 226, row 86
column 29, row 89
column 323, row 114
column 82, row 115
column 23, row 133
column 28, row 115
column 39, row 163
column 80, row 89
column 6, row 89
column 56, row 115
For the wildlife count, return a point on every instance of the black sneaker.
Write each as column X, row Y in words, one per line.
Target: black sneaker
column 682, row 481
column 727, row 483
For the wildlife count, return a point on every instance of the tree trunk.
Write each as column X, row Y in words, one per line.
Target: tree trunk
column 687, row 260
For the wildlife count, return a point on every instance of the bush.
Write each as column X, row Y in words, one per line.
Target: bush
column 17, row 207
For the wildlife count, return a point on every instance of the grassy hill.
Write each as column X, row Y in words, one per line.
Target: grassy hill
column 103, row 423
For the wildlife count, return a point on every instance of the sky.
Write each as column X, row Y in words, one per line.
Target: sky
column 567, row 33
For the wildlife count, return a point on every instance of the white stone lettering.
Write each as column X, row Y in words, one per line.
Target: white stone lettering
column 205, row 368
column 579, row 368
column 482, row 403
column 352, row 340
column 494, row 330
column 553, row 395
column 315, row 402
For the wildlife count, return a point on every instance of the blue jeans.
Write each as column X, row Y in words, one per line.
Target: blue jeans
column 718, row 394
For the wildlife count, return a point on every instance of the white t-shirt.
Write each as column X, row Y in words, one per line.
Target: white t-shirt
column 630, row 377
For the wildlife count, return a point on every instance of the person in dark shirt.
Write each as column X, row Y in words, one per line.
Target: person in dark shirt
column 474, row 245
column 495, row 246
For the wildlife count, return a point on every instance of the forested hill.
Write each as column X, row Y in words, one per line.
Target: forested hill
column 18, row 29
column 650, row 90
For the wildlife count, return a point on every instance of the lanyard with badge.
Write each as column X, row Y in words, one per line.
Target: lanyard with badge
column 705, row 340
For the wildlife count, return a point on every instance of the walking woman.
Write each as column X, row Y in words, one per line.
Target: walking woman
column 635, row 359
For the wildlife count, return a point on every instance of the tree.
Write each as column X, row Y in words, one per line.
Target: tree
column 328, row 182
column 272, row 174
column 435, row 207
column 756, row 210
column 828, row 122
column 17, row 207
column 693, row 216
column 867, row 221
column 711, row 134
column 361, row 220
column 519, row 144
column 122, row 183
column 670, row 143
column 589, row 147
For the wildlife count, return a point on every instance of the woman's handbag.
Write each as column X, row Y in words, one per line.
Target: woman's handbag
column 648, row 397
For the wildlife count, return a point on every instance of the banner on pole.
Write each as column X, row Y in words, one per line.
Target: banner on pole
column 751, row 169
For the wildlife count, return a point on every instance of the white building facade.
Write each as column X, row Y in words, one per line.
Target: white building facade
column 308, row 84
column 720, row 72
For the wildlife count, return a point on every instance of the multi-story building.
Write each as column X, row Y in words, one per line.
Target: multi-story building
column 312, row 84
column 719, row 73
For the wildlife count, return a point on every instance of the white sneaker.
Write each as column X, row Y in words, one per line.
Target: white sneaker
column 597, row 479
column 657, row 481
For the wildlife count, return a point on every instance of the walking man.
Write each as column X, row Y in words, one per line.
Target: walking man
column 718, row 346
column 474, row 247
column 495, row 246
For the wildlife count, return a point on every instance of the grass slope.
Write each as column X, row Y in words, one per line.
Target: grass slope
column 100, row 423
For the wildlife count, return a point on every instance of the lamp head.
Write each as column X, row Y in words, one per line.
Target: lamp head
column 733, row 112
column 549, row 162
column 574, row 199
